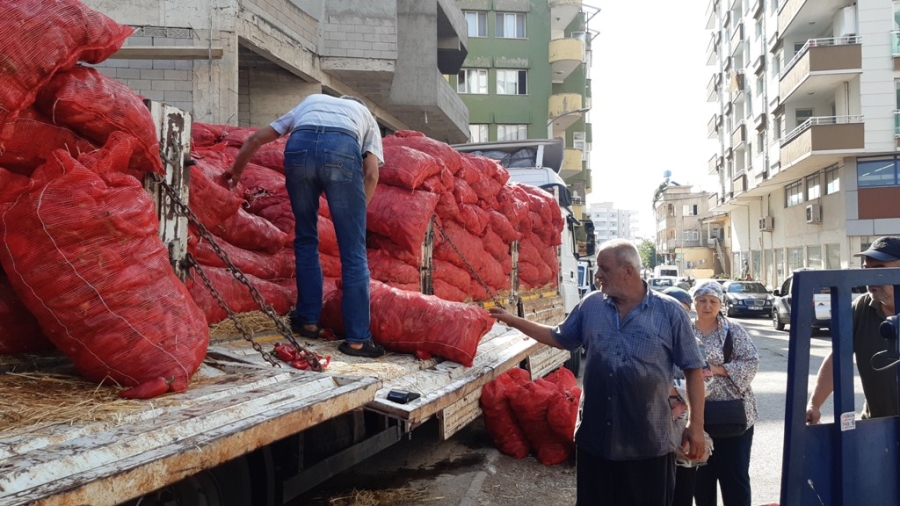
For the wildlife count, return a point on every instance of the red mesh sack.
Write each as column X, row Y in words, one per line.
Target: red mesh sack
column 41, row 37
column 331, row 265
column 257, row 263
column 411, row 256
column 473, row 253
column 19, row 330
column 449, row 273
column 82, row 251
column 402, row 215
column 562, row 415
column 530, row 403
column 463, row 193
column 499, row 420
column 389, row 270
column 94, row 106
column 446, row 291
column 237, row 296
column 406, row 167
column 19, row 151
column 410, row 322
column 212, row 203
column 442, row 152
column 474, row 219
column 204, row 134
column 564, row 380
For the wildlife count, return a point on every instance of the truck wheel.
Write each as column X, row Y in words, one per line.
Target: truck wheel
column 228, row 484
column 574, row 362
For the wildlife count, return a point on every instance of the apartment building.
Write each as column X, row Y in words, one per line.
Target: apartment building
column 689, row 235
column 246, row 62
column 526, row 76
column 612, row 223
column 808, row 94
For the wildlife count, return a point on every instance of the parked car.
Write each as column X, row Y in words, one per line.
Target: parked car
column 662, row 282
column 700, row 281
column 781, row 307
column 747, row 298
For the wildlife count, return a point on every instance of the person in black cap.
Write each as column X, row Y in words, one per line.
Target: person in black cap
column 879, row 387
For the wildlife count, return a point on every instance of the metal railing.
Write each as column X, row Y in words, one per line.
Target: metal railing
column 835, row 41
column 820, row 120
column 896, row 123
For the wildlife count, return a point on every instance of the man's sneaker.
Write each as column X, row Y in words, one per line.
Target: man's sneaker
column 369, row 349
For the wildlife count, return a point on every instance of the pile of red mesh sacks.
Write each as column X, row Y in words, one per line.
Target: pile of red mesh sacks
column 82, row 252
column 522, row 416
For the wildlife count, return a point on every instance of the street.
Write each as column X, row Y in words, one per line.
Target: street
column 467, row 471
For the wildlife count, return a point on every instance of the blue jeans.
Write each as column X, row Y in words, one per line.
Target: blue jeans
column 318, row 159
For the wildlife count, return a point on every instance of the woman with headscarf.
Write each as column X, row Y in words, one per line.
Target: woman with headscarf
column 732, row 372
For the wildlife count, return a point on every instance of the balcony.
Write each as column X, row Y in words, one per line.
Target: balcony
column 796, row 16
column 564, row 110
column 739, row 183
column 895, row 48
column 757, row 8
column 712, row 49
column 565, row 56
column 821, row 141
column 572, row 163
column 712, row 88
column 562, row 12
column 714, row 163
column 737, row 39
column 739, row 137
column 897, row 124
column 820, row 65
column 711, row 10
column 713, row 126
column 713, row 201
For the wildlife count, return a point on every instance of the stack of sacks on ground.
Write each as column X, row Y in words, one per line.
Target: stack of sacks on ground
column 522, row 416
column 82, row 253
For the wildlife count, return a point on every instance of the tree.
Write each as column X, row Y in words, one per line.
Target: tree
column 648, row 253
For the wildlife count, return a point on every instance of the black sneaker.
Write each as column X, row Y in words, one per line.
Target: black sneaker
column 369, row 349
column 299, row 329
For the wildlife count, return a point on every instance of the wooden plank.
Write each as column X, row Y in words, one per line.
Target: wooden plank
column 546, row 360
column 228, row 416
column 459, row 414
column 448, row 382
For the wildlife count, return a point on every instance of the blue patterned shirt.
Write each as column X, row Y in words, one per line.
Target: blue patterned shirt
column 629, row 373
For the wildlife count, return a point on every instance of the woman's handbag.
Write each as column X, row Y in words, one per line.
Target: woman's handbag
column 725, row 418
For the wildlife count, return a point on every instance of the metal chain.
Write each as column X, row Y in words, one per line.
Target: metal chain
column 458, row 252
column 206, row 235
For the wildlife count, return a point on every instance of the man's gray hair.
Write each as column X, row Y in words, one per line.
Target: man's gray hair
column 355, row 99
column 624, row 251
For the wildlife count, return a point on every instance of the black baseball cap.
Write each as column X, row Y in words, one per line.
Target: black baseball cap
column 885, row 249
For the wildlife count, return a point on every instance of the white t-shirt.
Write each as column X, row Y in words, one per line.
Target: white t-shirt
column 328, row 111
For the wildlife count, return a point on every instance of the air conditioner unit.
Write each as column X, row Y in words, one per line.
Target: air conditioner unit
column 814, row 213
column 766, row 224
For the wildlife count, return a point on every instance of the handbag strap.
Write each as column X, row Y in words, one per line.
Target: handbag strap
column 728, row 346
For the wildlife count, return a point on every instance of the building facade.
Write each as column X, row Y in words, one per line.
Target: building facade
column 807, row 99
column 612, row 223
column 246, row 62
column 526, row 77
column 688, row 235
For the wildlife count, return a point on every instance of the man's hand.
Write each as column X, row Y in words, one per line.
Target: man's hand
column 230, row 180
column 501, row 315
column 693, row 442
column 812, row 415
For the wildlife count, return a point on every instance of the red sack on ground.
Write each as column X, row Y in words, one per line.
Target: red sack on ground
column 530, row 403
column 41, row 37
column 20, row 153
column 564, row 380
column 19, row 330
column 499, row 420
column 562, row 415
column 82, row 251
column 94, row 106
column 410, row 322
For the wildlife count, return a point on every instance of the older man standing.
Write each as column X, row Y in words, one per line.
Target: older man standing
column 634, row 337
column 879, row 387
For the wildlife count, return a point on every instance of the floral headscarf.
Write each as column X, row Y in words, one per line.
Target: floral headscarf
column 710, row 288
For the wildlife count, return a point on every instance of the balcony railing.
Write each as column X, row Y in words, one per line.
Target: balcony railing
column 895, row 43
column 836, row 41
column 820, row 120
column 897, row 124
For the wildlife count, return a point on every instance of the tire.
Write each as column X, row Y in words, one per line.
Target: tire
column 228, row 484
column 729, row 311
column 776, row 320
column 574, row 362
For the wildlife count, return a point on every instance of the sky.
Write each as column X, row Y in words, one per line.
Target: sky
column 649, row 111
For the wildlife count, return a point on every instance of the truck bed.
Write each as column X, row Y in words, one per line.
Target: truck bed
column 236, row 403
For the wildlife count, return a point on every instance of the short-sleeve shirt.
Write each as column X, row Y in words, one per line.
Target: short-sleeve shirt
column 879, row 387
column 629, row 372
column 327, row 111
